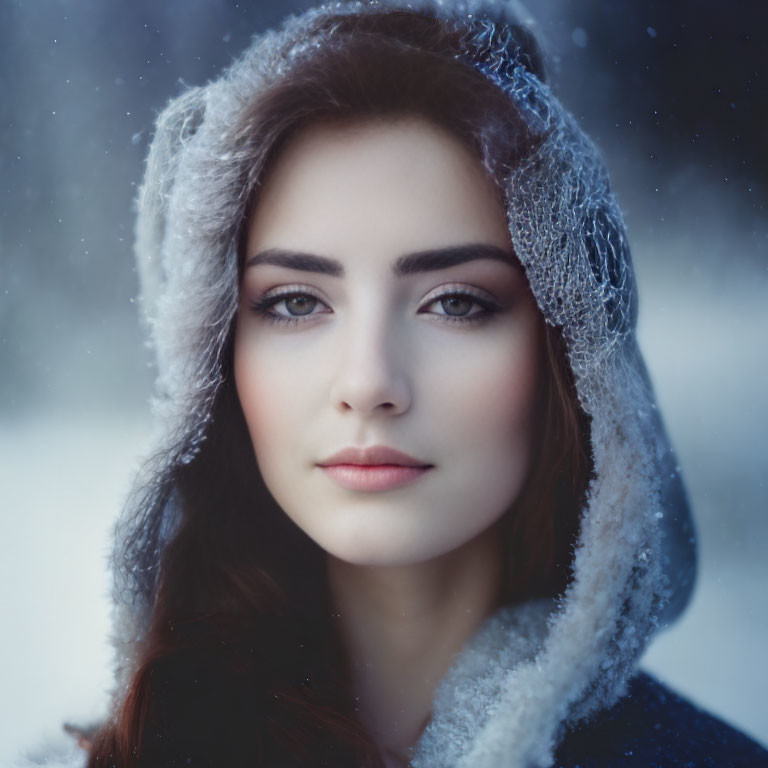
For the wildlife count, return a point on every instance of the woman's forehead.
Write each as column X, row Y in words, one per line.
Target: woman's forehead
column 399, row 186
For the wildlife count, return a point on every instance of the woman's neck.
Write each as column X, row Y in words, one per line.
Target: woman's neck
column 402, row 627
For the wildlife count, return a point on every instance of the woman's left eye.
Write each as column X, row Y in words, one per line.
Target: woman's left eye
column 456, row 306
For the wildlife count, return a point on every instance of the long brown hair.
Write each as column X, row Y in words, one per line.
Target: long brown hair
column 242, row 663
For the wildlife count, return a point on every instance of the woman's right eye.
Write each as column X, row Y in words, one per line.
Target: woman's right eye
column 299, row 305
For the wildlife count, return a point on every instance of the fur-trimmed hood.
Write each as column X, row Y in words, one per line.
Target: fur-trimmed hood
column 531, row 670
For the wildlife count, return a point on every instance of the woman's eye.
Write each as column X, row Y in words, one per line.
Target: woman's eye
column 297, row 305
column 456, row 307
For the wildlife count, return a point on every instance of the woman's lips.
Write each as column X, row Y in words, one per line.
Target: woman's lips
column 373, row 477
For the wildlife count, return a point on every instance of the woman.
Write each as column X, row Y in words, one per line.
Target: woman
column 379, row 241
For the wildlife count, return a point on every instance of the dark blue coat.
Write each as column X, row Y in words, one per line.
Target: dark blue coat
column 653, row 727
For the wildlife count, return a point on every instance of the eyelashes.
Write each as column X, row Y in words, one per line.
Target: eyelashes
column 303, row 300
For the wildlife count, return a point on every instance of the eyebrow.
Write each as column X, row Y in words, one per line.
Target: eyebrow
column 408, row 264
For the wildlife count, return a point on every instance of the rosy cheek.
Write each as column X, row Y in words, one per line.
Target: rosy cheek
column 253, row 393
column 518, row 383
column 502, row 405
column 504, row 408
column 504, row 385
column 269, row 406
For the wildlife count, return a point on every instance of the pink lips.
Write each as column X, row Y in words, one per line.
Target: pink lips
column 378, row 468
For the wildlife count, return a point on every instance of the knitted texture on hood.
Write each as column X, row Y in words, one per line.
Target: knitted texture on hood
column 540, row 667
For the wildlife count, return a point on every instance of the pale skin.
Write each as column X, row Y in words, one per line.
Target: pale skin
column 403, row 625
column 375, row 359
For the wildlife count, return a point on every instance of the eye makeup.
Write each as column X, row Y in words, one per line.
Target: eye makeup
column 264, row 306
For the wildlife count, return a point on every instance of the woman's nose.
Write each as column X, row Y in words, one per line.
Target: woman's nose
column 371, row 374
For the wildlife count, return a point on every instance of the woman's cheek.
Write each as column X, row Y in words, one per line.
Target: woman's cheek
column 257, row 391
column 493, row 389
column 273, row 387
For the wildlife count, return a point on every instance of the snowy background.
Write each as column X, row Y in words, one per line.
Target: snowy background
column 679, row 105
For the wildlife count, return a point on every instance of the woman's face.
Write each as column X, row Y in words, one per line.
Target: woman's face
column 348, row 337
